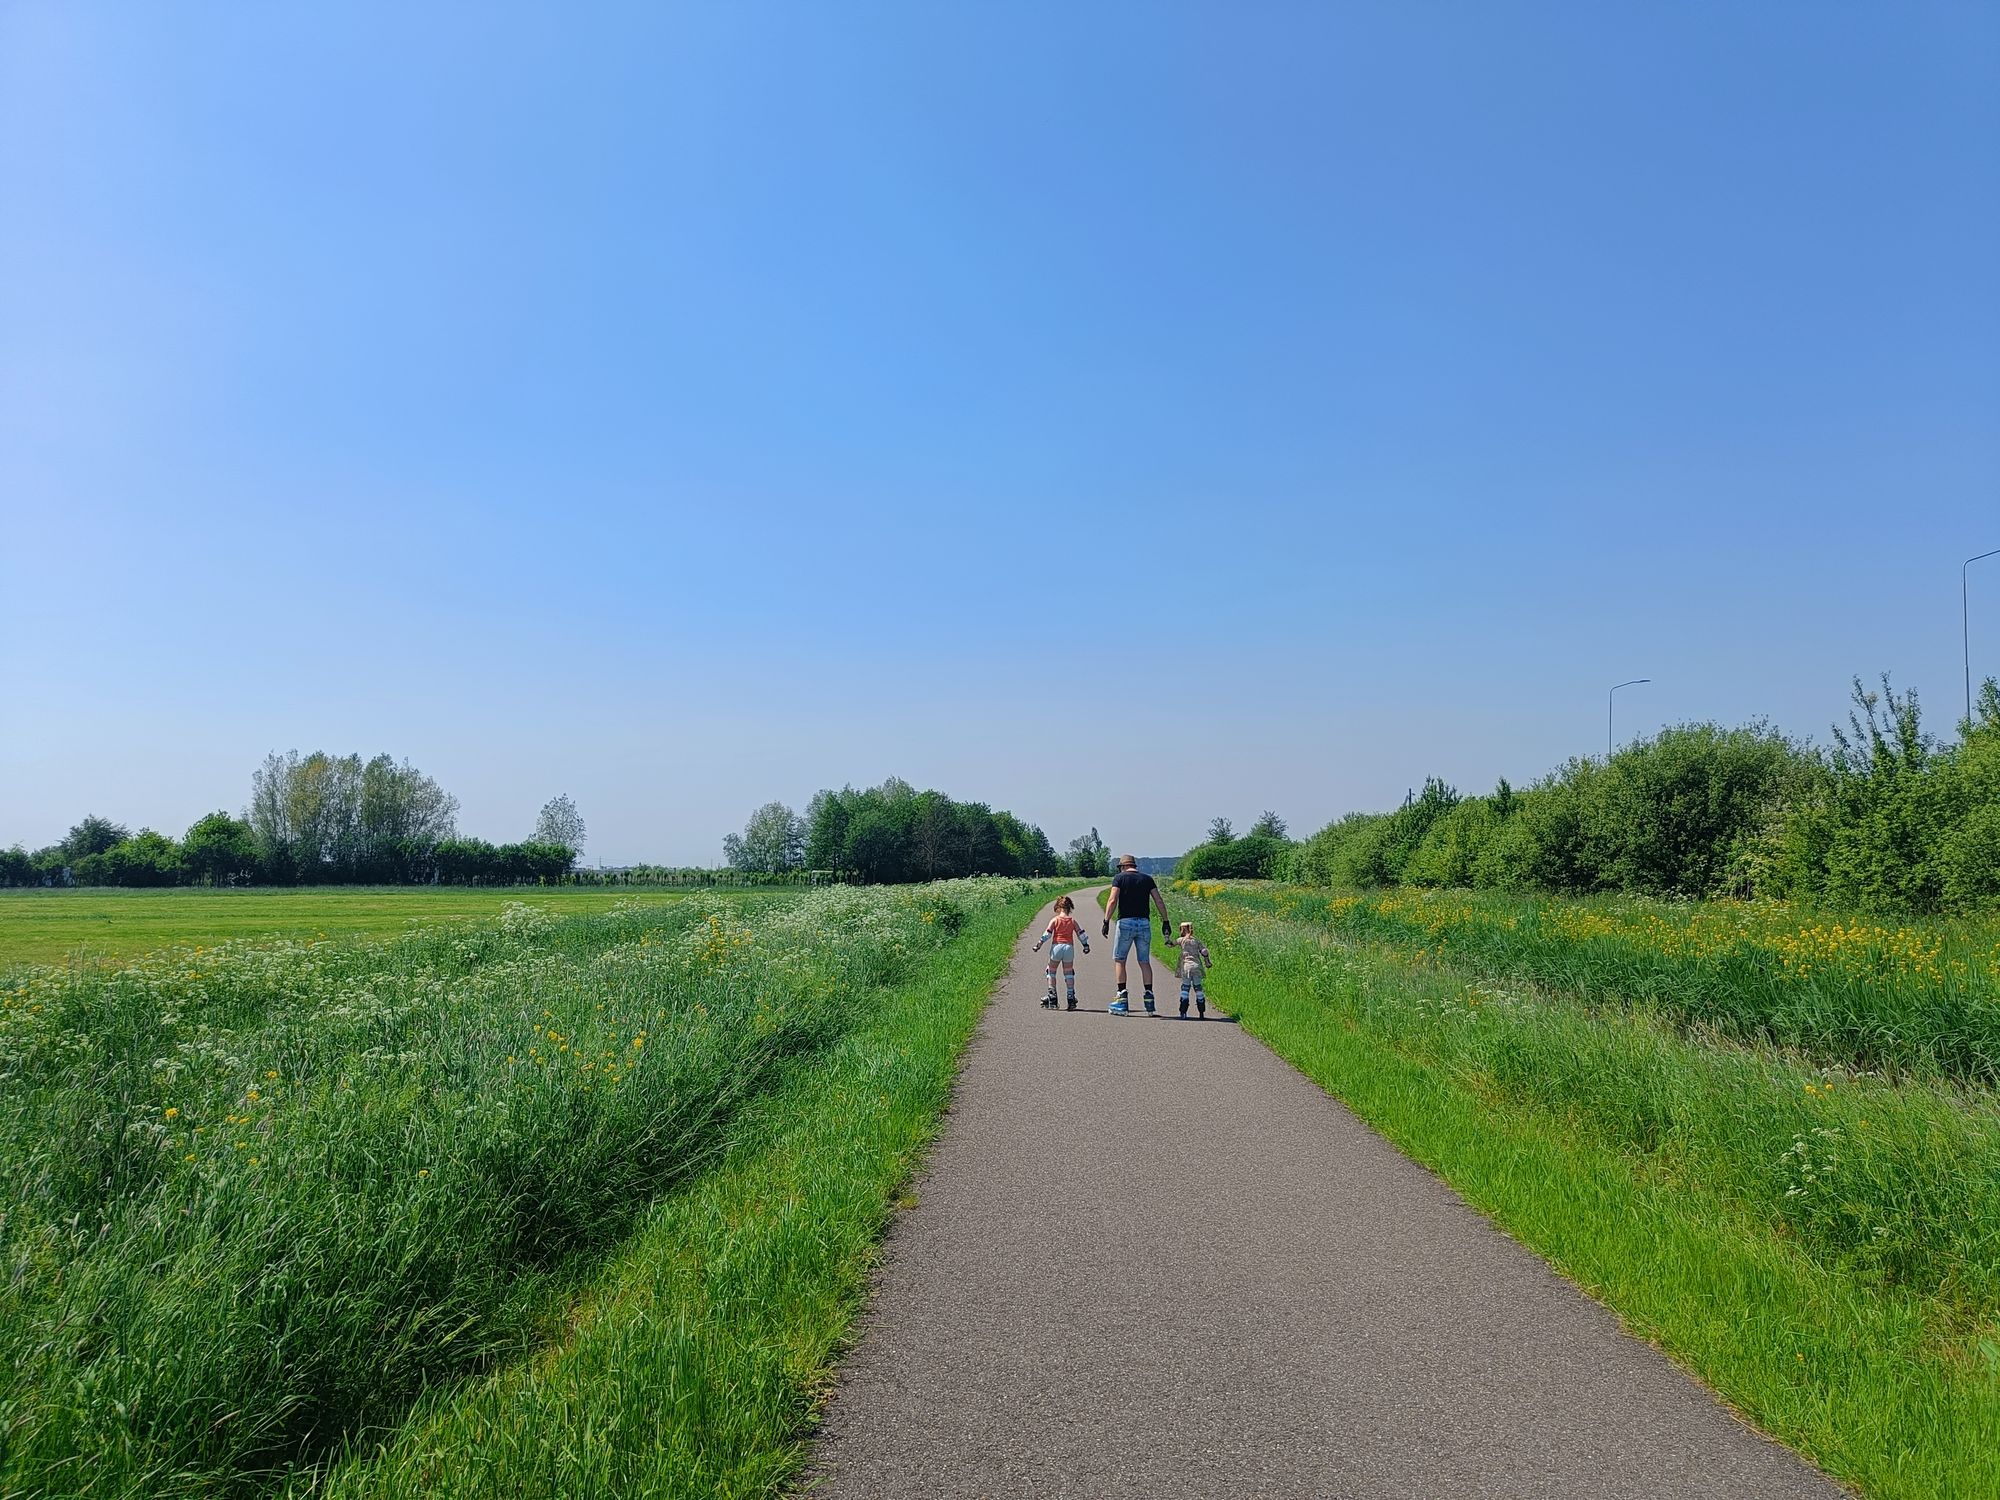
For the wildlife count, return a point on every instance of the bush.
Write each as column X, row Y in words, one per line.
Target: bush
column 1911, row 821
column 1255, row 856
column 476, row 862
column 1451, row 850
column 1665, row 814
column 219, row 850
column 1370, row 849
column 1321, row 859
column 145, row 859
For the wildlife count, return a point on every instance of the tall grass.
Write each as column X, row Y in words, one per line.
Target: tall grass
column 258, row 1198
column 691, row 1366
column 1853, row 992
column 1822, row 1244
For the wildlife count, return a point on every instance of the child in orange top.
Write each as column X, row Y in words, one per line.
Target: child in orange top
column 1064, row 933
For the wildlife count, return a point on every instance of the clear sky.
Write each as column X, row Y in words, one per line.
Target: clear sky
column 1120, row 413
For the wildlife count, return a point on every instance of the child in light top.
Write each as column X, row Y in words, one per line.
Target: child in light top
column 1064, row 933
column 1195, row 963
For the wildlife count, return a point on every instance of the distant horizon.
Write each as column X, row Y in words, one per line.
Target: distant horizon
column 1119, row 416
column 1059, row 838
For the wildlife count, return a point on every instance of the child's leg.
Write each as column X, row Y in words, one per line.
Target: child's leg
column 1184, row 996
column 1052, row 976
column 1069, row 980
column 1200, row 999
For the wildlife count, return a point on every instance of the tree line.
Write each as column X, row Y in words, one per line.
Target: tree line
column 1887, row 817
column 317, row 819
column 1224, row 856
column 893, row 833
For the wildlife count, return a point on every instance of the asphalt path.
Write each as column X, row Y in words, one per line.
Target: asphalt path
column 1149, row 1259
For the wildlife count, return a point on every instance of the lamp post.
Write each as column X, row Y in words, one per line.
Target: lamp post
column 1607, row 712
column 1965, row 626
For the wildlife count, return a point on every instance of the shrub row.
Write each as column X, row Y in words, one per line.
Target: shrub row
column 1887, row 818
column 221, row 850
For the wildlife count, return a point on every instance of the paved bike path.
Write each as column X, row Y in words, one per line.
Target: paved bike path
column 1149, row 1259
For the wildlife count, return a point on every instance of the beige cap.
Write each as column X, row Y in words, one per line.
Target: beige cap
column 1128, row 861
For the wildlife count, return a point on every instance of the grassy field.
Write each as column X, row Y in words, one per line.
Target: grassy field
column 1813, row 1231
column 369, row 1218
column 45, row 926
column 1916, row 994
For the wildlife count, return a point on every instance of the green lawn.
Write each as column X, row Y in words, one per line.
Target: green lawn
column 48, row 926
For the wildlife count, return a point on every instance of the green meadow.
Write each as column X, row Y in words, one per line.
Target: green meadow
column 48, row 926
column 559, row 1201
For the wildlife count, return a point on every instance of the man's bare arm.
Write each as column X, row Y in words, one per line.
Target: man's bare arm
column 1161, row 902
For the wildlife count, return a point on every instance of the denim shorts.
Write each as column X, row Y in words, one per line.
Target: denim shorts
column 1135, row 932
column 1063, row 953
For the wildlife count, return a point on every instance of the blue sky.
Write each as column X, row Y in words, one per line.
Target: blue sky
column 1124, row 414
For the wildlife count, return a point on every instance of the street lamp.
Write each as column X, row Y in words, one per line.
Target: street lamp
column 1607, row 711
column 1965, row 627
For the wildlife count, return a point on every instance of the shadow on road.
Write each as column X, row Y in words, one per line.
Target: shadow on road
column 1139, row 1015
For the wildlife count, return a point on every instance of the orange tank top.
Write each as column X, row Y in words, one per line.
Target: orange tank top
column 1063, row 928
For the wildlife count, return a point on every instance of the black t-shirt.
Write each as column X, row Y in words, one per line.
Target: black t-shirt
column 1134, row 888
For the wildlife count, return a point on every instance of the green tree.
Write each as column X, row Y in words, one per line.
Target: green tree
column 1666, row 813
column 94, row 835
column 1024, row 848
column 306, row 811
column 327, row 817
column 219, row 850
column 1089, row 859
column 1969, row 852
column 935, row 837
column 877, row 844
column 827, row 819
column 560, row 823
column 774, row 839
column 1451, row 846
column 1892, row 805
column 145, row 859
column 402, row 815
